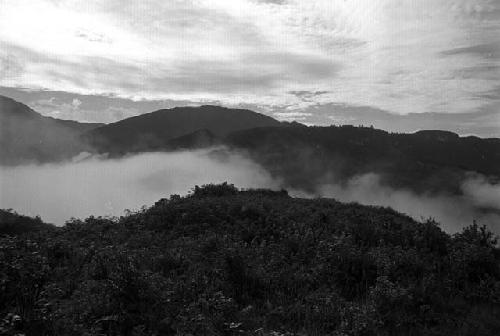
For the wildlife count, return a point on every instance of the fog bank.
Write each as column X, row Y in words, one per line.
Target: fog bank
column 106, row 187
column 479, row 201
column 101, row 187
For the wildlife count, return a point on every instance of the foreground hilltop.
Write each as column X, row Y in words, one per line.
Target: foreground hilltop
column 222, row 262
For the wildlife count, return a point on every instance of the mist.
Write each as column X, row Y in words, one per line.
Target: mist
column 479, row 202
column 106, row 187
column 98, row 186
column 482, row 192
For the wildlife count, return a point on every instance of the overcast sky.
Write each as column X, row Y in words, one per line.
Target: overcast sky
column 386, row 62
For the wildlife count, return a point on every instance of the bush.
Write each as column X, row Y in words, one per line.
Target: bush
column 224, row 262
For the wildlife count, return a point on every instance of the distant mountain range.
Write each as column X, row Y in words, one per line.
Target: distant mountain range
column 303, row 157
column 26, row 136
column 425, row 161
column 157, row 130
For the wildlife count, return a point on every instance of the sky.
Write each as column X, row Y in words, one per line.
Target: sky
column 401, row 65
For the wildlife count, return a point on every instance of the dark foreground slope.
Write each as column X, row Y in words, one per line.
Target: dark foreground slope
column 223, row 262
column 27, row 136
column 12, row 223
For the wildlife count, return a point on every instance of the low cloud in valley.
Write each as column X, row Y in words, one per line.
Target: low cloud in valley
column 100, row 187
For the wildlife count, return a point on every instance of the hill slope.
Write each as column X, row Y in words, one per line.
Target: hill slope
column 152, row 131
column 225, row 262
column 426, row 161
column 12, row 223
column 27, row 136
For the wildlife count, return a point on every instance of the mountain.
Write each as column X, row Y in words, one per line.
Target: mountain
column 426, row 161
column 304, row 157
column 153, row 131
column 27, row 136
column 256, row 262
column 199, row 139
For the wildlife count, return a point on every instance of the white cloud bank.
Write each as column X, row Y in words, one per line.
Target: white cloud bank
column 96, row 186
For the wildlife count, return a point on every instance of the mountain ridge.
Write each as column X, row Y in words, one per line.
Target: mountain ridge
column 306, row 156
column 303, row 156
column 27, row 136
column 153, row 130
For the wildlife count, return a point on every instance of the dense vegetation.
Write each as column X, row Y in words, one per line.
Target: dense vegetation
column 425, row 162
column 12, row 223
column 227, row 262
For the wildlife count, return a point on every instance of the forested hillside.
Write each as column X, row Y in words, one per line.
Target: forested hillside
column 154, row 131
column 227, row 262
column 425, row 162
column 12, row 223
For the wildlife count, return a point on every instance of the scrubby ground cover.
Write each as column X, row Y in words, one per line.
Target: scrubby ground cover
column 227, row 262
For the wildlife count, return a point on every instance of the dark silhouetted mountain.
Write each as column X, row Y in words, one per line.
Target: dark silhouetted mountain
column 154, row 131
column 258, row 262
column 27, row 136
column 437, row 135
column 425, row 161
column 198, row 139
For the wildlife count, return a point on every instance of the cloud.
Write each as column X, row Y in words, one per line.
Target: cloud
column 203, row 80
column 276, row 2
column 92, row 185
column 76, row 103
column 9, row 66
column 452, row 212
column 293, row 116
column 482, row 192
column 488, row 51
column 95, row 186
column 307, row 95
column 484, row 122
column 402, row 57
column 54, row 107
column 483, row 72
column 70, row 109
column 92, row 36
column 93, row 108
